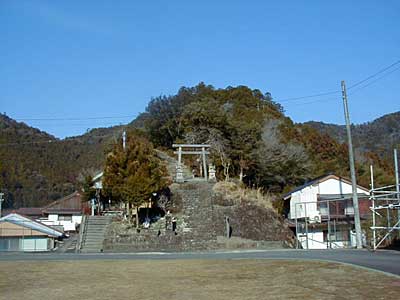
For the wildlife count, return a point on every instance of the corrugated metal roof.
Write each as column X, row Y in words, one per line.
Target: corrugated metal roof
column 29, row 223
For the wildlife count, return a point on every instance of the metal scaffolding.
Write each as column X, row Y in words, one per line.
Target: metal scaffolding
column 385, row 209
column 385, row 202
column 332, row 218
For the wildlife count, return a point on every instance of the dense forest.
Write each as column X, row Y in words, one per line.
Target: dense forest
column 380, row 136
column 36, row 168
column 251, row 140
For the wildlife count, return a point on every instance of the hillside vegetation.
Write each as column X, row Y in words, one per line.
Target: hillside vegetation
column 251, row 140
column 380, row 136
column 36, row 168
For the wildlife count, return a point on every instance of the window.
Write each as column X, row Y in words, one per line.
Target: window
column 337, row 208
column 9, row 244
column 339, row 236
column 322, row 207
column 64, row 217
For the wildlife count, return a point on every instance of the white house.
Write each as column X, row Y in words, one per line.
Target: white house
column 321, row 212
column 97, row 181
column 19, row 233
column 66, row 212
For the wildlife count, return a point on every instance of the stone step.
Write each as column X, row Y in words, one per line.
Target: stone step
column 95, row 230
column 93, row 240
column 91, row 245
column 95, row 223
column 94, row 233
column 88, row 233
column 96, row 227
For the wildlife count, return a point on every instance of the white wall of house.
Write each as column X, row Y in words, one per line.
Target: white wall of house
column 27, row 244
column 34, row 244
column 56, row 219
column 308, row 194
column 316, row 240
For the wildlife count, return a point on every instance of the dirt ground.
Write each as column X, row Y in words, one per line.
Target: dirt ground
column 192, row 279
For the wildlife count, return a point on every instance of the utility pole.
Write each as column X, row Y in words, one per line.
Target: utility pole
column 396, row 171
column 124, row 140
column 1, row 201
column 357, row 221
column 373, row 207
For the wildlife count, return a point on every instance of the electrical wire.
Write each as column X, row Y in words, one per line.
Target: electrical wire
column 373, row 75
column 314, row 101
column 55, row 141
column 280, row 101
column 75, row 119
column 309, row 96
column 372, row 82
column 339, row 91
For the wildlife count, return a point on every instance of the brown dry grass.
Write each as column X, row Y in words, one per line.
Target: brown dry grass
column 192, row 279
column 237, row 194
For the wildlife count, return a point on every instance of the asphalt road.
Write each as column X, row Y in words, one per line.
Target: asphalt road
column 383, row 260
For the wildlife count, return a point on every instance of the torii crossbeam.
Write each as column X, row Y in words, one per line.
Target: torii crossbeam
column 196, row 149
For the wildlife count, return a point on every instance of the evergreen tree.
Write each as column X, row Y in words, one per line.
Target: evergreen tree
column 89, row 192
column 132, row 174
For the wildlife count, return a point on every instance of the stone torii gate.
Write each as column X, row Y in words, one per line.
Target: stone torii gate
column 196, row 149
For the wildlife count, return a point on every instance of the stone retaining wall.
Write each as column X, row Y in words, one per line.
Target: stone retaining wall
column 202, row 226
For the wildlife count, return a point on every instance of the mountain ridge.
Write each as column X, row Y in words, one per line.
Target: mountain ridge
column 36, row 167
column 380, row 135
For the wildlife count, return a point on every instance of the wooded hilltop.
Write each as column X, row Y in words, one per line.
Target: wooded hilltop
column 251, row 138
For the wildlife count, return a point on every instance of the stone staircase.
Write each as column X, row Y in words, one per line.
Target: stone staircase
column 93, row 233
column 197, row 214
column 171, row 164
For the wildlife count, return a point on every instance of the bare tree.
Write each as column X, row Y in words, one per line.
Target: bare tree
column 279, row 162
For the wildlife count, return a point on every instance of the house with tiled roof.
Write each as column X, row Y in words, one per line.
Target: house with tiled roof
column 321, row 212
column 66, row 212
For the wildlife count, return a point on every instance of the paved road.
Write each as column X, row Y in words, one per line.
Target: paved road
column 387, row 261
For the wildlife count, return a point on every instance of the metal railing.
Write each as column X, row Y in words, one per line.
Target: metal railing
column 330, row 220
column 82, row 233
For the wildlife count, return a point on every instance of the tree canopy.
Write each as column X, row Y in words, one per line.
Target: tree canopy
column 132, row 174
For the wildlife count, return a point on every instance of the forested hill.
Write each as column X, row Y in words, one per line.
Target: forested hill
column 380, row 136
column 251, row 140
column 36, row 168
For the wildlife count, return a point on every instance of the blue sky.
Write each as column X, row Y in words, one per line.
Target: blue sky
column 80, row 59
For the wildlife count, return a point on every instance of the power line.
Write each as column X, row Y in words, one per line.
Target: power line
column 67, row 140
column 360, row 82
column 314, row 101
column 372, row 82
column 87, row 125
column 339, row 91
column 309, row 96
column 374, row 75
column 75, row 119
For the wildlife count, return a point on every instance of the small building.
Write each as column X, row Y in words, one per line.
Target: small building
column 31, row 212
column 66, row 212
column 321, row 212
column 20, row 233
column 97, row 181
